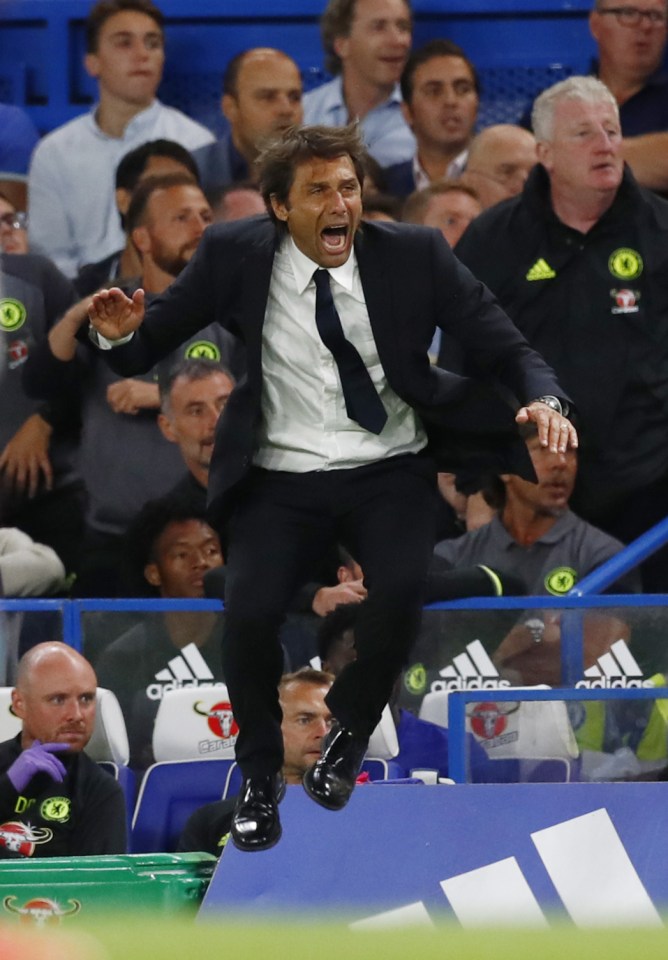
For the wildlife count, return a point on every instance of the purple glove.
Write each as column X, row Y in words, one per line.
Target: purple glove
column 37, row 759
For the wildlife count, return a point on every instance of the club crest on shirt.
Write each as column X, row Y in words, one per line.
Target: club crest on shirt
column 625, row 300
column 12, row 314
column 625, row 264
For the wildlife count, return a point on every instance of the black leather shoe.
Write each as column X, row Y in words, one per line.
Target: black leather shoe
column 331, row 780
column 255, row 822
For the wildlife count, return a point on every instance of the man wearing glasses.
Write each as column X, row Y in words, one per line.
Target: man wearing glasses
column 631, row 40
column 13, row 235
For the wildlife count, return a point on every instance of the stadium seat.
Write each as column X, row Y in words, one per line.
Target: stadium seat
column 537, row 735
column 194, row 723
column 170, row 791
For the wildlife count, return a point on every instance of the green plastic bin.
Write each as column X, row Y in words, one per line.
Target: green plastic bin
column 49, row 891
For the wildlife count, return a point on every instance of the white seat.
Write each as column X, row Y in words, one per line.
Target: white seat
column 10, row 724
column 383, row 743
column 195, row 723
column 523, row 730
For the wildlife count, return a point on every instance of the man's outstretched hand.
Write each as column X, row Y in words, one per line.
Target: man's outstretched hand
column 115, row 315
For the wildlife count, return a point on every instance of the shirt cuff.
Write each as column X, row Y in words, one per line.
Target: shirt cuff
column 102, row 343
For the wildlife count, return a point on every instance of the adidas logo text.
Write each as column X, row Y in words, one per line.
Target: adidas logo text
column 616, row 669
column 188, row 669
column 472, row 670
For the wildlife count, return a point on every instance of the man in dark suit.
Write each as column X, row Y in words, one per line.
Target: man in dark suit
column 335, row 431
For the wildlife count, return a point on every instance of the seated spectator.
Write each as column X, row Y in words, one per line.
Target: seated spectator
column 236, row 201
column 262, row 96
column 631, row 44
column 169, row 550
column 13, row 223
column 73, row 215
column 449, row 206
column 306, row 720
column 19, row 137
column 192, row 397
column 54, row 800
column 536, row 537
column 366, row 45
column 422, row 745
column 441, row 94
column 166, row 220
column 152, row 159
column 380, row 206
column 500, row 159
column 41, row 492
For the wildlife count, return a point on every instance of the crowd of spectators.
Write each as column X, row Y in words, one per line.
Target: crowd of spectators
column 560, row 216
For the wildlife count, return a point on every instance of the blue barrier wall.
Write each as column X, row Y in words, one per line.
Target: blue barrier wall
column 520, row 47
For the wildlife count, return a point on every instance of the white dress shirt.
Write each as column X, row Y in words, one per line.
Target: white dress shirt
column 455, row 169
column 305, row 425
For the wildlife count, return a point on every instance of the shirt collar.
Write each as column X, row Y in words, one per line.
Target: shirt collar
column 140, row 120
column 303, row 268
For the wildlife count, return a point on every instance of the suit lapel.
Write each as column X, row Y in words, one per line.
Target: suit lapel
column 377, row 292
column 257, row 269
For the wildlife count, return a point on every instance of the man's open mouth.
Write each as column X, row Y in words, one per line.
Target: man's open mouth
column 334, row 239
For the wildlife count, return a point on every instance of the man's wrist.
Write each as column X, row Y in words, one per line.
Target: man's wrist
column 103, row 343
column 554, row 403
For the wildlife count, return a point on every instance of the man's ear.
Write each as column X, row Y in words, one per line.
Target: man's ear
column 152, row 575
column 165, row 425
column 18, row 705
column 92, row 65
column 341, row 47
column 544, row 154
column 123, row 198
column 279, row 208
column 229, row 108
column 141, row 239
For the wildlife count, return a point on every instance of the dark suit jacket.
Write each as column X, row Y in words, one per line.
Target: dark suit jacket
column 412, row 282
column 399, row 179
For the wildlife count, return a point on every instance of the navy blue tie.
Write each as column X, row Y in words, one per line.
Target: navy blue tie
column 362, row 401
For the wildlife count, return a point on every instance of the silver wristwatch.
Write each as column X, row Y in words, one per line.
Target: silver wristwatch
column 554, row 403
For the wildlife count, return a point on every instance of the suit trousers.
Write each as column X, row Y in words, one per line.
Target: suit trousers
column 384, row 513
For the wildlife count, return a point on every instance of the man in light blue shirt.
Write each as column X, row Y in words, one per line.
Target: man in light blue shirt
column 366, row 43
column 73, row 215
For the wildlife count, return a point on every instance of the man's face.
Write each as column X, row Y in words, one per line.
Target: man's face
column 237, row 204
column 194, row 409
column 505, row 160
column 444, row 104
column 585, row 152
column 379, row 42
column 306, row 720
column 323, row 209
column 175, row 220
column 556, row 474
column 635, row 52
column 129, row 58
column 12, row 239
column 451, row 213
column 268, row 100
column 184, row 552
column 57, row 702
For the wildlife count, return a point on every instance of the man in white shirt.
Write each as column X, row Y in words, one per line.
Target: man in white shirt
column 73, row 215
column 366, row 46
column 325, row 438
column 441, row 94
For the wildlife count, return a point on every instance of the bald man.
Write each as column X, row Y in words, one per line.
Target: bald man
column 500, row 158
column 262, row 96
column 54, row 800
